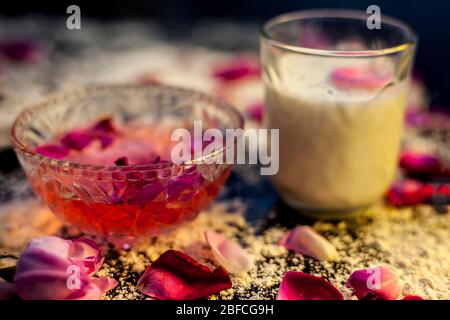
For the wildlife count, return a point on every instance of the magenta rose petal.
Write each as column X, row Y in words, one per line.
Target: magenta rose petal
column 306, row 241
column 88, row 252
column 303, row 286
column 177, row 276
column 228, row 253
column 378, row 283
column 76, row 140
column 420, row 164
column 356, row 78
column 53, row 151
column 96, row 289
column 409, row 192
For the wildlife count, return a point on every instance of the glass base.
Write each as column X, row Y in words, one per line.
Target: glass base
column 324, row 213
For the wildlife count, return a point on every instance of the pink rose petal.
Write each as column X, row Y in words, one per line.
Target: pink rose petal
column 304, row 240
column 409, row 192
column 378, row 283
column 176, row 276
column 303, row 286
column 53, row 151
column 357, row 78
column 54, row 268
column 228, row 253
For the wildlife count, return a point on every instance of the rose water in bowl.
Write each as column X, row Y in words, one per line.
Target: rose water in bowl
column 100, row 158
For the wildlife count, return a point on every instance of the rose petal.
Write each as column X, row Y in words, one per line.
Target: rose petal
column 356, row 78
column 53, row 151
column 237, row 69
column 104, row 126
column 378, row 283
column 304, row 240
column 176, row 276
column 409, row 192
column 96, row 289
column 76, row 140
column 88, row 252
column 105, row 141
column 256, row 112
column 50, row 284
column 20, row 50
column 303, row 286
column 228, row 253
column 412, row 297
column 420, row 164
column 54, row 268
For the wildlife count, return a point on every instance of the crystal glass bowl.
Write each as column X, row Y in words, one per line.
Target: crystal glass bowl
column 122, row 203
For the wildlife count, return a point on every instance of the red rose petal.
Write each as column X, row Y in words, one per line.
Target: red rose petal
column 20, row 50
column 409, row 192
column 412, row 297
column 103, row 126
column 177, row 276
column 303, row 286
column 88, row 252
column 378, row 283
column 237, row 69
column 53, row 151
column 76, row 140
column 356, row 78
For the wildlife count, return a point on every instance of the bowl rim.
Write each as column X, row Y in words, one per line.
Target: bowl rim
column 86, row 89
column 337, row 13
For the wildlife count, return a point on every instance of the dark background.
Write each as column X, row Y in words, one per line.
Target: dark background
column 430, row 19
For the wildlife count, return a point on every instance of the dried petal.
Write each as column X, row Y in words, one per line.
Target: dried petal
column 53, row 151
column 357, row 78
column 304, row 240
column 409, row 192
column 76, row 140
column 303, row 286
column 378, row 283
column 176, row 276
column 228, row 253
column 412, row 297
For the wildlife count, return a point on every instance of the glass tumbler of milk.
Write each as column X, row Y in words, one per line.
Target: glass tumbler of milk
column 335, row 87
